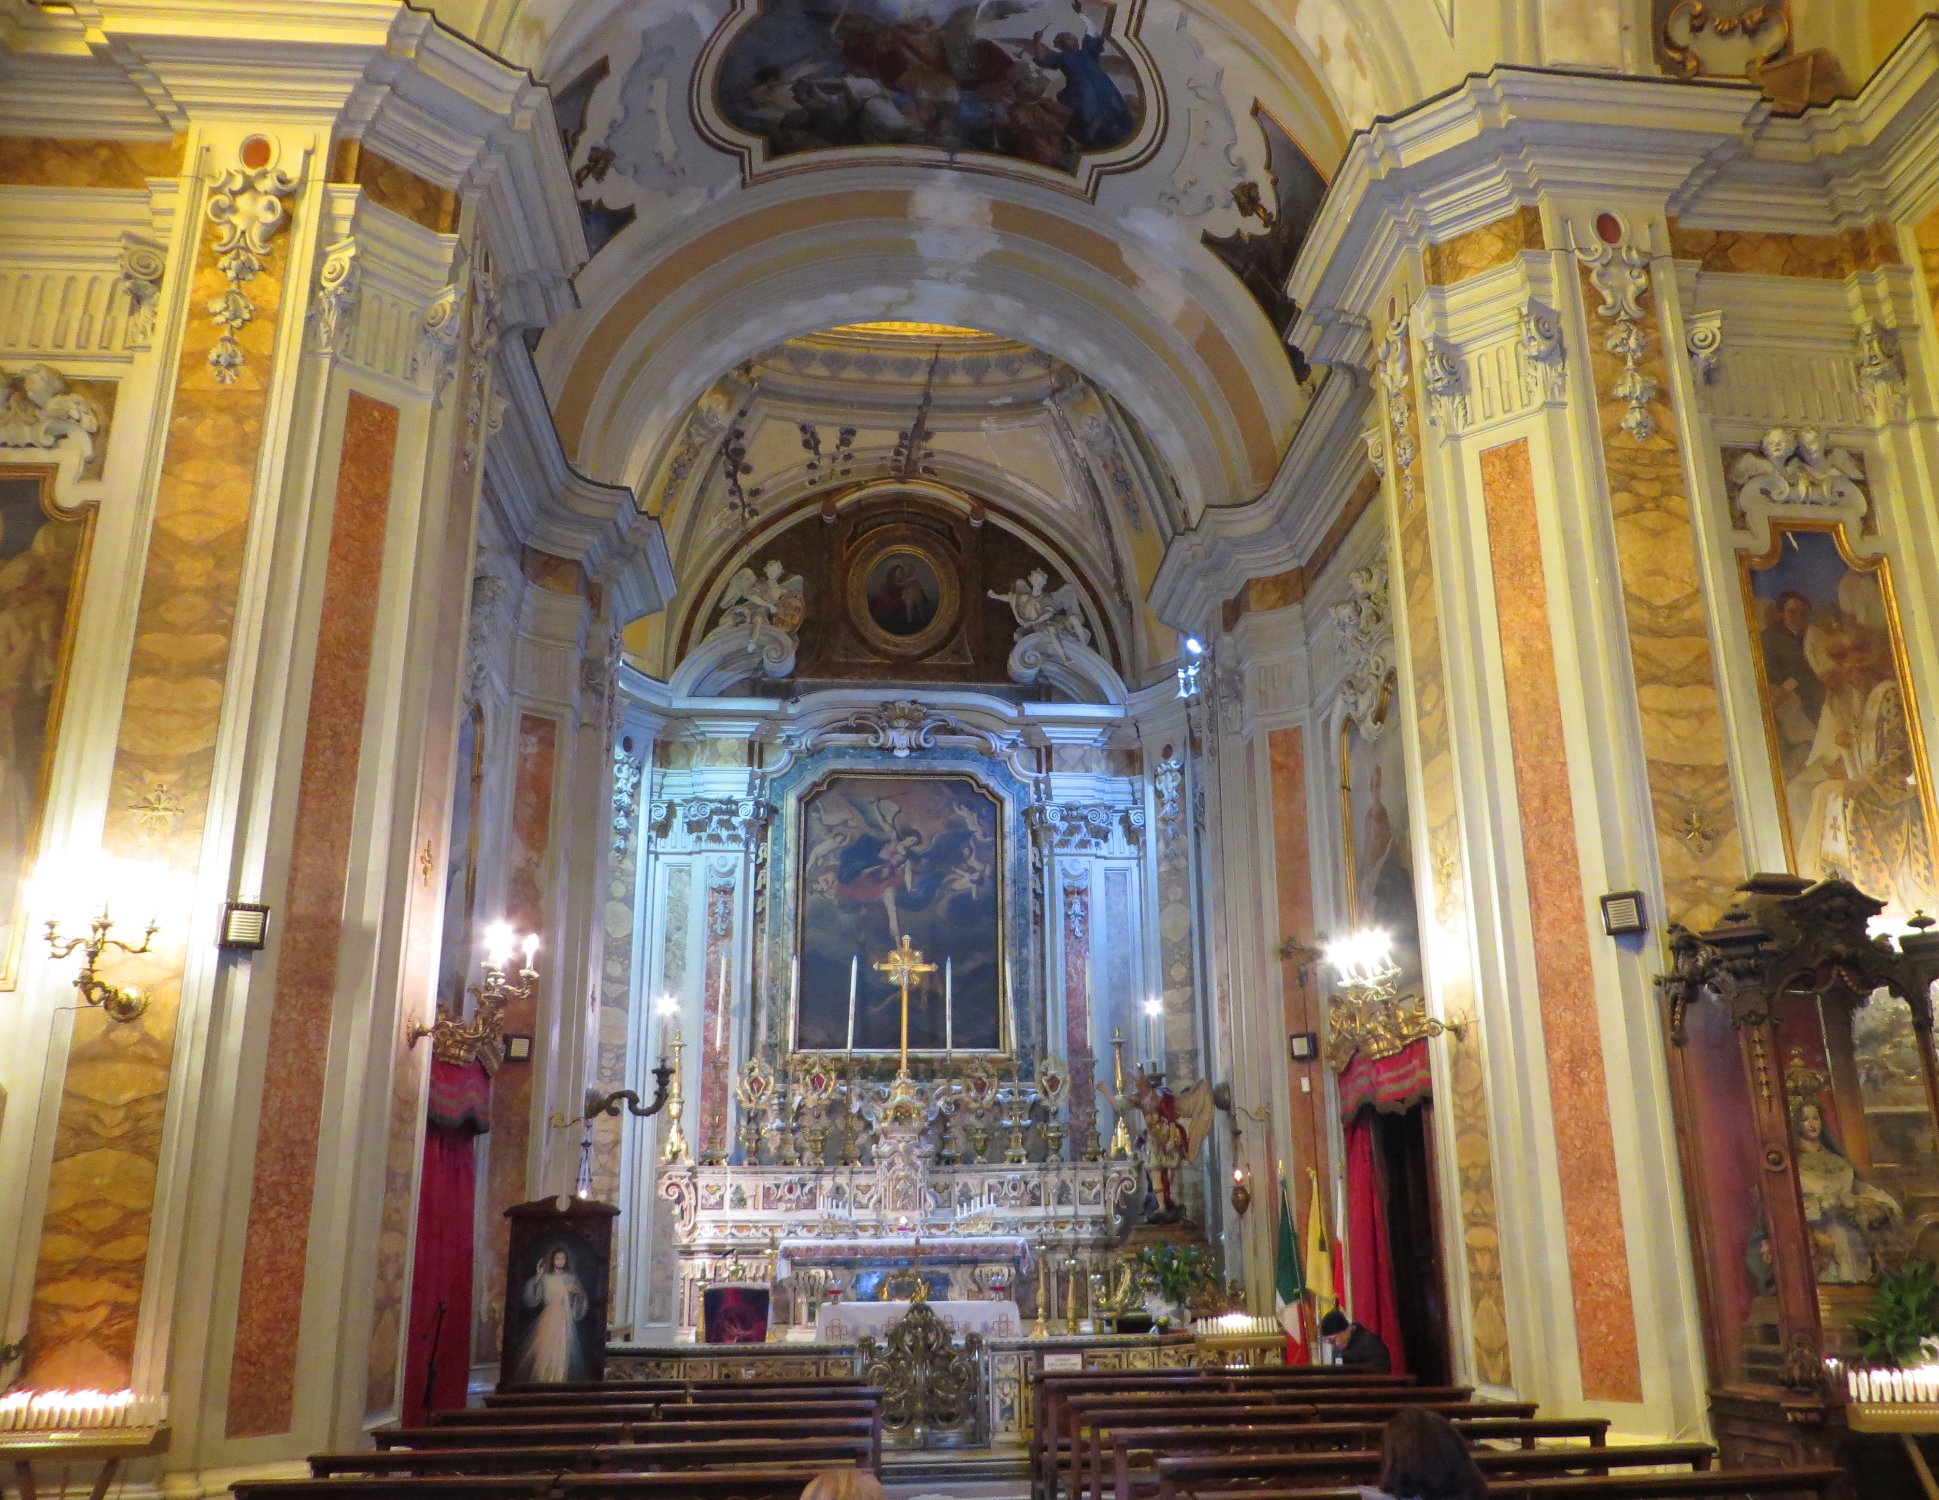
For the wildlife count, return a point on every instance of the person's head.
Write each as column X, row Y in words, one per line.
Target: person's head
column 1066, row 41
column 1422, row 1457
column 1793, row 611
column 1811, row 1123
column 561, row 1261
column 1336, row 1328
column 843, row 1484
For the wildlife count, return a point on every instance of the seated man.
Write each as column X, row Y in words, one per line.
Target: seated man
column 1361, row 1350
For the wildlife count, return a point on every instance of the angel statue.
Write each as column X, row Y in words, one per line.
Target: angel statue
column 1171, row 1128
column 753, row 603
column 1058, row 613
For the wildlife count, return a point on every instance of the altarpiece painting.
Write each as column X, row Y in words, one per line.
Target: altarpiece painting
column 883, row 855
column 1853, row 793
column 1379, row 858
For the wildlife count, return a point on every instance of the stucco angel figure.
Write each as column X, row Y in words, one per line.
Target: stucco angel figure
column 1171, row 1128
column 1057, row 613
column 754, row 602
column 1799, row 467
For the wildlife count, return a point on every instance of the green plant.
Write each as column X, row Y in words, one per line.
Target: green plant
column 1903, row 1315
column 1175, row 1272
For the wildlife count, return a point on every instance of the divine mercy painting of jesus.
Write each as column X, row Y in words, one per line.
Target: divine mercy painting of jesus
column 887, row 855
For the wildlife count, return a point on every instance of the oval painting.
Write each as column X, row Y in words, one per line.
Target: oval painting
column 902, row 593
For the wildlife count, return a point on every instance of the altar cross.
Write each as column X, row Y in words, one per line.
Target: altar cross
column 902, row 965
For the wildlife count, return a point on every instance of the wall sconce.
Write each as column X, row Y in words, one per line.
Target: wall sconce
column 1241, row 1191
column 100, row 890
column 1370, row 1014
column 453, row 1039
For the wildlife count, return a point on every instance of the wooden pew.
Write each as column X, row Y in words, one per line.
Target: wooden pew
column 703, row 1387
column 1129, row 1451
column 644, row 1411
column 1052, row 1394
column 592, row 1434
column 648, row 1457
column 1723, row 1484
column 674, row 1392
column 766, row 1483
column 1081, row 1413
column 1195, row 1473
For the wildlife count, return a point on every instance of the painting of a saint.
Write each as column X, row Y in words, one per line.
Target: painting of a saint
column 550, row 1336
column 1380, row 865
column 1025, row 79
column 903, row 592
column 1261, row 254
column 42, row 554
column 1852, row 788
column 885, row 855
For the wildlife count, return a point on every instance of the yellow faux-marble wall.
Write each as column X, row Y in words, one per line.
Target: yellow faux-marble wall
column 1448, row 909
column 108, row 1137
column 1697, row 839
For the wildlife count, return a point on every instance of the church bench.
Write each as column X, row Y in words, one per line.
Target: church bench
column 1194, row 1473
column 641, row 1411
column 1705, row 1484
column 526, row 1434
column 674, row 1383
column 766, row 1483
column 673, row 1391
column 1080, row 1413
column 1051, row 1394
column 551, row 1458
column 1131, row 1449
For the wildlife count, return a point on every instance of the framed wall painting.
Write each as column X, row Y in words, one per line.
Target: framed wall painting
column 1840, row 720
column 43, row 571
column 883, row 854
column 1375, row 829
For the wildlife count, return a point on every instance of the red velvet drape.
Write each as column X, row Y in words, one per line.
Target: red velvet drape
column 442, row 1271
column 1370, row 1267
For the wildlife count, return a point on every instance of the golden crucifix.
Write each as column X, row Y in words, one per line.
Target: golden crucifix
column 902, row 965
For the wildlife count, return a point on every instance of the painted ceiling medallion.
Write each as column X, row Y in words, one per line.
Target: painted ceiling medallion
column 1058, row 92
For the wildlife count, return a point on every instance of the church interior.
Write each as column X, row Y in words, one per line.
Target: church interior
column 959, row 739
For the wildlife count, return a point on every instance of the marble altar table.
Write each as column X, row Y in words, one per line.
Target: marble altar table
column 842, row 1322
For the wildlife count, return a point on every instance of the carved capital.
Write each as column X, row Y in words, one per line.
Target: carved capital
column 335, row 304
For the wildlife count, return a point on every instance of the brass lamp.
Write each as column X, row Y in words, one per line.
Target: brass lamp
column 1368, row 1014
column 456, row 1040
column 100, row 891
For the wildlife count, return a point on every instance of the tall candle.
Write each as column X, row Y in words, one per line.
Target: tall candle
column 854, row 969
column 949, row 1009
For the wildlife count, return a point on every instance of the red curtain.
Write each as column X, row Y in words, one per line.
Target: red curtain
column 1370, row 1268
column 441, row 1276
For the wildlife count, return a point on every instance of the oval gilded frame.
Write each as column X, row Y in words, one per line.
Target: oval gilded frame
column 864, row 561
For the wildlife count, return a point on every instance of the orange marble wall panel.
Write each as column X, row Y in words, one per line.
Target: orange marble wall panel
column 1448, row 930
column 1592, row 1208
column 262, row 1381
column 1485, row 248
column 108, row 1138
column 395, row 187
column 1293, row 881
column 42, row 161
column 511, row 1090
column 1680, row 712
column 1748, row 252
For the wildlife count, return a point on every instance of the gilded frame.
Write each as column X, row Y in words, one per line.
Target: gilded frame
column 949, row 602
column 1006, row 1022
column 85, row 514
column 1748, row 564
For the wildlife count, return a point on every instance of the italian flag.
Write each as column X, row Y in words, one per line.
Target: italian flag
column 1289, row 1283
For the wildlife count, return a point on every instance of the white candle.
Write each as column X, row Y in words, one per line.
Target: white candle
column 854, row 971
column 949, row 1009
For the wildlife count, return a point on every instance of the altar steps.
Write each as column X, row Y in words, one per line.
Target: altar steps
column 1000, row 1473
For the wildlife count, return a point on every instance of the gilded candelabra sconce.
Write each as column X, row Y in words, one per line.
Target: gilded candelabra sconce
column 80, row 890
column 456, row 1040
column 1368, row 1013
column 666, row 1090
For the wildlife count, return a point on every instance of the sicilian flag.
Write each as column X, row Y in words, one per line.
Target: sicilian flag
column 1319, row 1256
column 1289, row 1282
